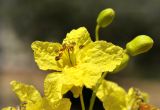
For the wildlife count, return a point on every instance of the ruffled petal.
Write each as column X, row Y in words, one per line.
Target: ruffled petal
column 135, row 97
column 82, row 74
column 45, row 104
column 105, row 55
column 9, row 108
column 34, row 106
column 79, row 36
column 112, row 95
column 64, row 104
column 45, row 54
column 54, row 87
column 26, row 93
column 76, row 91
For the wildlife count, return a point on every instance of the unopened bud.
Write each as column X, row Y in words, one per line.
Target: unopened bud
column 105, row 17
column 140, row 44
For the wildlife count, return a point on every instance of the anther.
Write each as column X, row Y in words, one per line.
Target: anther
column 57, row 58
column 81, row 46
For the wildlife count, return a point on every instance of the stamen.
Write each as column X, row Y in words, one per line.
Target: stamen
column 63, row 47
column 81, row 46
column 73, row 44
column 66, row 53
column 56, row 51
column 57, row 58
column 70, row 57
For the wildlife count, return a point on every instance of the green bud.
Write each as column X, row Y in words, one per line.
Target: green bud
column 105, row 17
column 140, row 44
column 123, row 63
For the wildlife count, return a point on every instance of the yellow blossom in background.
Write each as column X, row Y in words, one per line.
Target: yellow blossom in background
column 31, row 99
column 9, row 108
column 78, row 60
column 115, row 97
column 112, row 95
column 135, row 97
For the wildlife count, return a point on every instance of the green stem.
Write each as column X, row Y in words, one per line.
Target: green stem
column 82, row 101
column 97, row 32
column 93, row 97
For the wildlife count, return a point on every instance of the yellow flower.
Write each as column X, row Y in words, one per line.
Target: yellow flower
column 134, row 98
column 9, row 108
column 115, row 97
column 112, row 95
column 32, row 100
column 78, row 61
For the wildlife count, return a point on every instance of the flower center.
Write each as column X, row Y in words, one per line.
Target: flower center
column 67, row 54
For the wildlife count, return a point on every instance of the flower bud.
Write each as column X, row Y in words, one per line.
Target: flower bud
column 140, row 44
column 123, row 63
column 105, row 17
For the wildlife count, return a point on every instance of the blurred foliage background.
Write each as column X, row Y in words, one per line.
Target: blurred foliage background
column 24, row 21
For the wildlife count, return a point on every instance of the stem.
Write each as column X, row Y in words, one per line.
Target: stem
column 82, row 101
column 93, row 97
column 97, row 32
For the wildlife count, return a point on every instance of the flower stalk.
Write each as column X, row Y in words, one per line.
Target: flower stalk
column 97, row 32
column 93, row 97
column 82, row 101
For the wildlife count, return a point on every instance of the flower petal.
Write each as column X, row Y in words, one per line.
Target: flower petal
column 82, row 74
column 135, row 97
column 112, row 95
column 54, row 87
column 34, row 106
column 64, row 104
column 79, row 36
column 26, row 93
column 45, row 53
column 76, row 91
column 106, row 55
column 9, row 108
column 114, row 102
